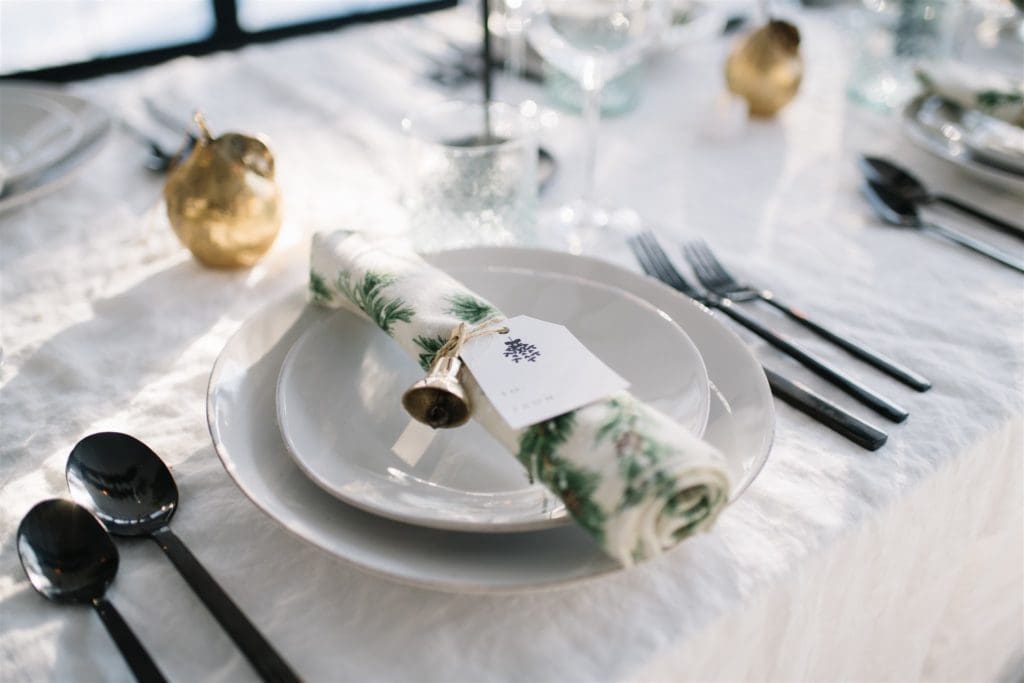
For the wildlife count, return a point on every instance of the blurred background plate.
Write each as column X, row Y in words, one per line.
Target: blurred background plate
column 36, row 131
column 71, row 133
column 937, row 127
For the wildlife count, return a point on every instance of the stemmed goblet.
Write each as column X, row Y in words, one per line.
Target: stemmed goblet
column 593, row 41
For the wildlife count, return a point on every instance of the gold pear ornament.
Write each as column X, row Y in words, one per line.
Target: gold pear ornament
column 222, row 200
column 765, row 68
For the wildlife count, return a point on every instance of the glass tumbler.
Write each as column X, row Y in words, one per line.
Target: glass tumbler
column 471, row 177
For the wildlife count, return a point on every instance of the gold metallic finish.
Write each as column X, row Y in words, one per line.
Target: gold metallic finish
column 765, row 68
column 438, row 399
column 222, row 200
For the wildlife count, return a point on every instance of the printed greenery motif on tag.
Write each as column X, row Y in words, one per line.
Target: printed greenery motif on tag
column 538, row 453
column 638, row 455
column 430, row 347
column 318, row 288
column 469, row 309
column 367, row 294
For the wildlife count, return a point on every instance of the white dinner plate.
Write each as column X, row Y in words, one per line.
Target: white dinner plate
column 339, row 414
column 241, row 416
column 46, row 137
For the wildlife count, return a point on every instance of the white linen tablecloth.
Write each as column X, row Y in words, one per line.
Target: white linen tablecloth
column 903, row 564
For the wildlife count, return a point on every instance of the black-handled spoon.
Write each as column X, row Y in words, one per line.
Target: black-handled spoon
column 905, row 184
column 69, row 558
column 902, row 213
column 130, row 489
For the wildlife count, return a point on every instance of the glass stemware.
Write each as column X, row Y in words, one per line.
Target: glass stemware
column 593, row 41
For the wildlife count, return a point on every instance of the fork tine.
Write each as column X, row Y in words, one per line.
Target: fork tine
column 640, row 255
column 641, row 247
column 696, row 260
column 709, row 269
column 640, row 252
column 658, row 255
column 714, row 264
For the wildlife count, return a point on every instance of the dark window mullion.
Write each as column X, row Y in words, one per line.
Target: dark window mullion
column 225, row 15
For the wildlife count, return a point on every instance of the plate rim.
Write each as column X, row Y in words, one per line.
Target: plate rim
column 918, row 133
column 464, row 585
column 29, row 169
column 63, row 172
column 540, row 524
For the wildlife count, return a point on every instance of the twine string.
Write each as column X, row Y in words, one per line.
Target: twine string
column 461, row 334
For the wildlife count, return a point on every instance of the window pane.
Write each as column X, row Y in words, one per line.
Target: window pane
column 41, row 33
column 260, row 15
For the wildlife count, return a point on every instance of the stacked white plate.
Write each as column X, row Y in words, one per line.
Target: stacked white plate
column 303, row 409
column 984, row 147
column 46, row 135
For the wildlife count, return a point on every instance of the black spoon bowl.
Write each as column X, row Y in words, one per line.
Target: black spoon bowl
column 898, row 180
column 129, row 487
column 899, row 211
column 70, row 558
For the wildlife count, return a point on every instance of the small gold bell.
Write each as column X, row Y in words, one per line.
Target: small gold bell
column 438, row 399
column 222, row 200
column 765, row 68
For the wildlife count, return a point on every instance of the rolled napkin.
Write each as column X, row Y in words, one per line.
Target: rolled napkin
column 971, row 88
column 635, row 479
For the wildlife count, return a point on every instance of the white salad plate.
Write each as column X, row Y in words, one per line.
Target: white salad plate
column 241, row 417
column 46, row 136
column 338, row 411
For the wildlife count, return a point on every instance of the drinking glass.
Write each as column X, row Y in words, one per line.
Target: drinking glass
column 894, row 36
column 593, row 41
column 472, row 175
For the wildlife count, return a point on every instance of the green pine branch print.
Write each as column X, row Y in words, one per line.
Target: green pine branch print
column 538, row 453
column 367, row 295
column 991, row 99
column 318, row 288
column 469, row 309
column 638, row 454
column 430, row 347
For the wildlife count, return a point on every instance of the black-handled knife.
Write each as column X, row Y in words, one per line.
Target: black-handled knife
column 824, row 411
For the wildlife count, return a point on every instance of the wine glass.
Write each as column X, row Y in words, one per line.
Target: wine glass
column 593, row 41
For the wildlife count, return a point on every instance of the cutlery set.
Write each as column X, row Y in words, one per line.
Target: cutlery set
column 656, row 263
column 895, row 194
column 121, row 487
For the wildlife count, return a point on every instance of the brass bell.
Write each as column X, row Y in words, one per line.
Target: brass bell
column 438, row 399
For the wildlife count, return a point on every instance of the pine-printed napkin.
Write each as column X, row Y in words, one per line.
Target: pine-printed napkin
column 971, row 88
column 631, row 476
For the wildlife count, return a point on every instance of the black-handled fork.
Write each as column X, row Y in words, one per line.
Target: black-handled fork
column 713, row 275
column 655, row 262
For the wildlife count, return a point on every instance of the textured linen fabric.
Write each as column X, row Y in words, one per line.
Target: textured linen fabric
column 636, row 480
column 903, row 564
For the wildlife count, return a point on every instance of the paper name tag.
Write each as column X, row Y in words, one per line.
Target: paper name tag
column 537, row 371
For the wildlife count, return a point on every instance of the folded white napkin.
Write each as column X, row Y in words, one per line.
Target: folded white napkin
column 631, row 476
column 971, row 88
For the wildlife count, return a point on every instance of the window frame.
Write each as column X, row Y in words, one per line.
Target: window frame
column 226, row 35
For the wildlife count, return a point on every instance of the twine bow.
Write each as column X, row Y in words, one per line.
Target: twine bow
column 461, row 334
